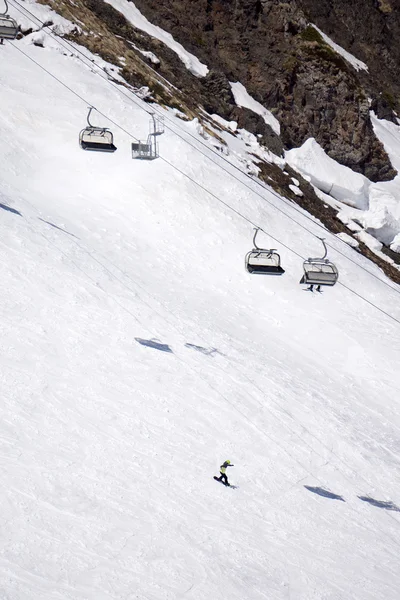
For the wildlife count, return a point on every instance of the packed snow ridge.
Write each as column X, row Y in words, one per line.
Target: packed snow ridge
column 135, row 17
column 244, row 100
column 374, row 207
column 357, row 64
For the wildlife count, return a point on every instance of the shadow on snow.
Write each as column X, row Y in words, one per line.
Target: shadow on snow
column 154, row 344
column 9, row 209
column 206, row 351
column 386, row 504
column 324, row 493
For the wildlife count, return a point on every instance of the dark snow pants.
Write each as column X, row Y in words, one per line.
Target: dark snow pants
column 223, row 478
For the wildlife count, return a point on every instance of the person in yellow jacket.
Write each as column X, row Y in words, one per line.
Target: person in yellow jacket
column 223, row 478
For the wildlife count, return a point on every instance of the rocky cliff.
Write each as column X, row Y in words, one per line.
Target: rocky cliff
column 285, row 64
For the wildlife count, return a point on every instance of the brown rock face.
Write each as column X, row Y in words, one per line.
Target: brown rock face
column 268, row 46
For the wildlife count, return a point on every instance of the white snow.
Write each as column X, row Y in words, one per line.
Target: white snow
column 357, row 64
column 151, row 56
column 295, row 189
column 230, row 125
column 138, row 354
column 43, row 14
column 369, row 240
column 395, row 245
column 329, row 176
column 376, row 206
column 244, row 100
column 348, row 239
column 382, row 218
column 134, row 16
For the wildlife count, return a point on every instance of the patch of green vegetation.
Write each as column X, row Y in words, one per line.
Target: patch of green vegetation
column 199, row 41
column 390, row 99
column 310, row 34
column 291, row 63
column 134, row 78
column 163, row 96
column 326, row 53
column 317, row 46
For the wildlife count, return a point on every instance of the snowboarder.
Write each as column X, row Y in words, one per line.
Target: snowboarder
column 223, row 478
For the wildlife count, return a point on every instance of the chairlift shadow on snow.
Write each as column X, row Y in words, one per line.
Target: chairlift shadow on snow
column 9, row 209
column 57, row 227
column 385, row 504
column 206, row 351
column 324, row 493
column 153, row 343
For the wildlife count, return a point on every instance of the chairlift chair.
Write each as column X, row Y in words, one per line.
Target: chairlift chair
column 143, row 150
column 263, row 262
column 97, row 139
column 319, row 271
column 8, row 27
column 149, row 150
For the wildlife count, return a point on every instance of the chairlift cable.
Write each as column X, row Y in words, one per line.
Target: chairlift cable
column 272, row 237
column 303, row 213
column 247, row 219
column 90, row 62
column 73, row 91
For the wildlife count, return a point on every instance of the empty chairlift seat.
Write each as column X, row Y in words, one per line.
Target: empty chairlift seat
column 97, row 139
column 319, row 271
column 263, row 262
column 143, row 150
column 149, row 150
column 8, row 27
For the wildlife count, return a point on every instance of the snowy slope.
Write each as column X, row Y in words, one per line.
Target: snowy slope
column 138, row 355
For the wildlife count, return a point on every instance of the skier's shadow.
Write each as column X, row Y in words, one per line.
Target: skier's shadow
column 9, row 209
column 324, row 493
column 385, row 504
column 153, row 343
column 206, row 351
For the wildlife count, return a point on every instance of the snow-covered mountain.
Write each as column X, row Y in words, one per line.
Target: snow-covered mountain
column 138, row 355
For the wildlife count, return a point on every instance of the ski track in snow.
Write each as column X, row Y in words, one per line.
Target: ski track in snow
column 109, row 446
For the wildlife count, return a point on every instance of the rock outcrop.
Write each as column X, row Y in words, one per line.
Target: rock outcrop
column 285, row 64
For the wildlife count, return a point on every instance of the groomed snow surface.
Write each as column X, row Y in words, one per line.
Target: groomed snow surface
column 138, row 354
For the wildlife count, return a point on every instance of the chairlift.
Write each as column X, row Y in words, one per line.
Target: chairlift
column 8, row 27
column 149, row 150
column 98, row 139
column 263, row 262
column 320, row 271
